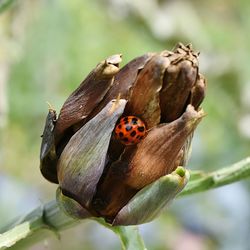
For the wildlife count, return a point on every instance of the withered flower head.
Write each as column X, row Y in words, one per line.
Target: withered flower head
column 153, row 103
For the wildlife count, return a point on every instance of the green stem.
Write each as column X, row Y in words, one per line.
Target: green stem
column 205, row 181
column 129, row 236
column 48, row 219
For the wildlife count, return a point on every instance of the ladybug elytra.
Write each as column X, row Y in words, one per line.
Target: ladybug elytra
column 130, row 130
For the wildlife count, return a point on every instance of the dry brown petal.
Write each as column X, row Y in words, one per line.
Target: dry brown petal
column 198, row 92
column 156, row 154
column 87, row 96
column 83, row 159
column 123, row 81
column 144, row 100
column 178, row 82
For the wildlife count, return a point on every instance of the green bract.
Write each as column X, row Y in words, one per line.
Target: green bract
column 98, row 176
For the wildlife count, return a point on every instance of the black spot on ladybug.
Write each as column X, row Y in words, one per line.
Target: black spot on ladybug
column 134, row 120
column 121, row 134
column 133, row 133
column 128, row 127
column 141, row 129
column 120, row 126
column 137, row 137
column 126, row 120
column 125, row 139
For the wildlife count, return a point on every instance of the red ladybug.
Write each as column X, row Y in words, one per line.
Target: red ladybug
column 130, row 130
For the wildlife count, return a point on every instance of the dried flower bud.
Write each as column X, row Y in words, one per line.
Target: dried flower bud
column 101, row 175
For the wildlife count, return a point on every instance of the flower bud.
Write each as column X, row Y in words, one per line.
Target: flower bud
column 101, row 175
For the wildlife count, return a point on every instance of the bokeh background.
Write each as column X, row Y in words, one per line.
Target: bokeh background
column 46, row 49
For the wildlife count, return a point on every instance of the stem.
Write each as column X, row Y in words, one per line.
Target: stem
column 206, row 181
column 129, row 236
column 48, row 219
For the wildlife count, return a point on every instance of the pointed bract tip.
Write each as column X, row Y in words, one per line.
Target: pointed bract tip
column 51, row 109
column 180, row 171
column 111, row 65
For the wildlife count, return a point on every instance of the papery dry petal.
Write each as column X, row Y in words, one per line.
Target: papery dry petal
column 83, row 159
column 124, row 80
column 179, row 79
column 178, row 82
column 156, row 154
column 144, row 100
column 87, row 96
column 198, row 92
column 127, row 75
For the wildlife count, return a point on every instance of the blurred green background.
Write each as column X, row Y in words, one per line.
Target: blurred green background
column 48, row 47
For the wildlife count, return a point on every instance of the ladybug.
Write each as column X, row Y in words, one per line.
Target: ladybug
column 130, row 130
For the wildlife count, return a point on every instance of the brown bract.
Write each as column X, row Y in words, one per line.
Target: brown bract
column 83, row 159
column 86, row 97
column 144, row 100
